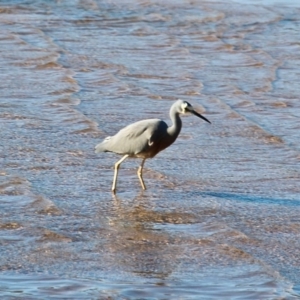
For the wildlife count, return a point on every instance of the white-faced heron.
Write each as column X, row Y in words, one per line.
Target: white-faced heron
column 144, row 139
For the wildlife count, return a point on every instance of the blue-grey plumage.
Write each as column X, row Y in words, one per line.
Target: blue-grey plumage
column 146, row 138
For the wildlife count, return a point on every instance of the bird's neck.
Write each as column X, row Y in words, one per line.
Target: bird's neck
column 174, row 130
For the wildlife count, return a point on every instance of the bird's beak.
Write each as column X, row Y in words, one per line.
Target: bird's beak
column 198, row 115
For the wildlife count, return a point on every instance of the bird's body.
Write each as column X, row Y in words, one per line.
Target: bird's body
column 147, row 139
column 144, row 139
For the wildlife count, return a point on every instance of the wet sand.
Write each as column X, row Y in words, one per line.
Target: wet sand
column 221, row 216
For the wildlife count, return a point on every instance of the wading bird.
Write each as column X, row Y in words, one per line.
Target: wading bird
column 144, row 139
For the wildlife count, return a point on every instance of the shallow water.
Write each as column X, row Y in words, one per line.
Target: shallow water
column 220, row 218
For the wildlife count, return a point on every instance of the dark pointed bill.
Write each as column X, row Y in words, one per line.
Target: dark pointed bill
column 200, row 116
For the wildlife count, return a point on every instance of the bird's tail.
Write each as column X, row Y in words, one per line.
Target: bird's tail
column 101, row 147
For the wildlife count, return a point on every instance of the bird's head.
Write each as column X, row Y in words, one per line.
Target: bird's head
column 186, row 107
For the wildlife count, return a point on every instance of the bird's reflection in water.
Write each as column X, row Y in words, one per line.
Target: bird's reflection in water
column 138, row 246
column 142, row 210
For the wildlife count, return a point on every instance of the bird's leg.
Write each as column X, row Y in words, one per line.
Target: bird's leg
column 117, row 166
column 140, row 174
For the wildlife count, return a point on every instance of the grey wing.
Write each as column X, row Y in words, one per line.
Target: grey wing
column 137, row 138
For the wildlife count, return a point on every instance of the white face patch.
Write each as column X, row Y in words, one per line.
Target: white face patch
column 184, row 106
